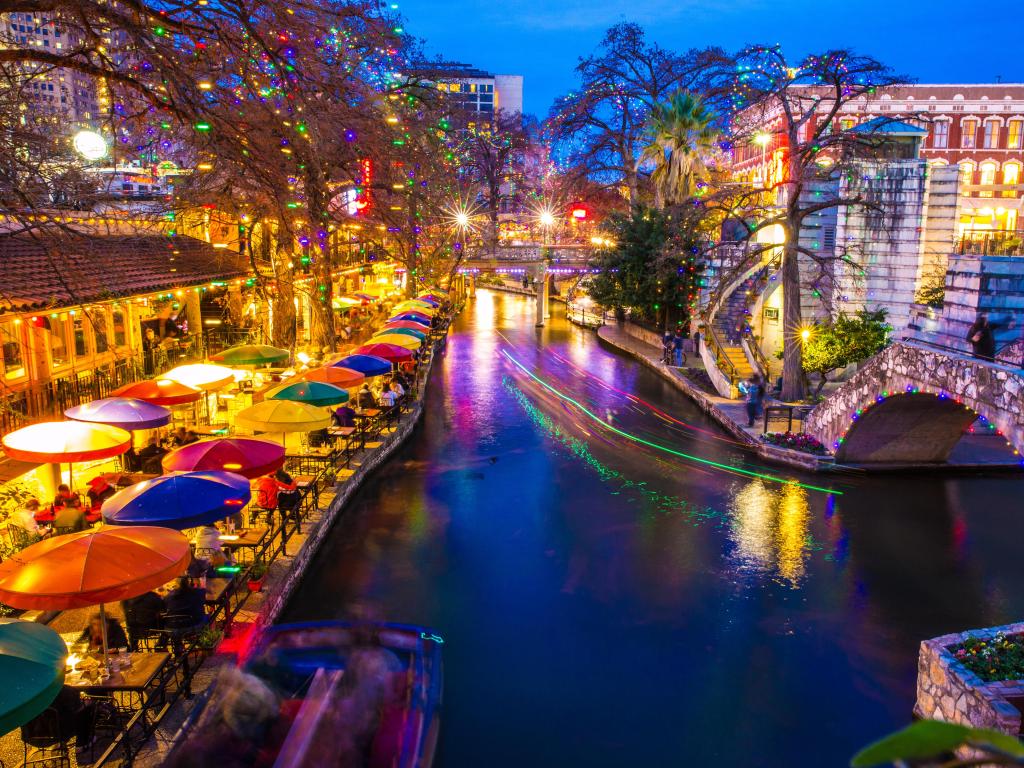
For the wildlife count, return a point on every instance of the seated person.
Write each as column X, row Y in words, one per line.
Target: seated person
column 142, row 615
column 365, row 398
column 186, row 606
column 74, row 718
column 93, row 634
column 99, row 491
column 179, row 437
column 130, row 461
column 388, row 399
column 149, row 457
column 207, row 538
column 344, row 416
column 25, row 518
column 397, row 386
column 64, row 495
column 266, row 493
column 70, row 516
column 191, row 437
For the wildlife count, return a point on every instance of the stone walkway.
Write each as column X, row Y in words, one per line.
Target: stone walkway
column 730, row 414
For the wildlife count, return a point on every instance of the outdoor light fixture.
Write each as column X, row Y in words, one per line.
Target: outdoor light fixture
column 805, row 334
column 763, row 139
column 90, row 145
column 547, row 218
column 462, row 219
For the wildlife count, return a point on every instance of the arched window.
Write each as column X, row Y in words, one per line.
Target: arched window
column 966, row 173
column 1014, row 134
column 1011, row 177
column 968, row 133
column 940, row 134
column 987, row 177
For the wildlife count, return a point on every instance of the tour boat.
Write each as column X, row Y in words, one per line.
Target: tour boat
column 320, row 694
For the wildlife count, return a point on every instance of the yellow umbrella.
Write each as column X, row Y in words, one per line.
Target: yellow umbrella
column 419, row 306
column 202, row 376
column 398, row 339
column 283, row 416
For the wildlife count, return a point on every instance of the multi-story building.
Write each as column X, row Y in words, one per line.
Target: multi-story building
column 474, row 90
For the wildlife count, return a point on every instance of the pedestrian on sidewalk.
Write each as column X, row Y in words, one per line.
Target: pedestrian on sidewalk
column 677, row 346
column 983, row 341
column 667, row 343
column 754, row 392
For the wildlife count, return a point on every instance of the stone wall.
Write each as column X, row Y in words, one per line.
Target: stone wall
column 948, row 691
column 992, row 284
column 990, row 390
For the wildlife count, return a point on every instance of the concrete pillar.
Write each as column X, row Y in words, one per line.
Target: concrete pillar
column 472, row 285
column 548, row 281
column 541, row 284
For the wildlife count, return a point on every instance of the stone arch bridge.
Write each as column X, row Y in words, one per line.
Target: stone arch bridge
column 911, row 403
column 544, row 263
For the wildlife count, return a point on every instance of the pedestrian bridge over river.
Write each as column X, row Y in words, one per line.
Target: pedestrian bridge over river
column 912, row 402
column 543, row 263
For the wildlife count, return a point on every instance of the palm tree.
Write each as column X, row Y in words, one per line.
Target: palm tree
column 682, row 137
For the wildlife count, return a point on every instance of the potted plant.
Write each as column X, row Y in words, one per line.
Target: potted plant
column 256, row 576
column 208, row 638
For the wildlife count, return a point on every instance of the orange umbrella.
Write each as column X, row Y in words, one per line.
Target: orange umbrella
column 339, row 376
column 70, row 441
column 159, row 392
column 77, row 570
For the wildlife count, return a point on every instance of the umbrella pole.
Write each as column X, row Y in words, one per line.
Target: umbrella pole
column 103, row 623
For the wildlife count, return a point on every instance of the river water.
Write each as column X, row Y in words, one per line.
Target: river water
column 618, row 585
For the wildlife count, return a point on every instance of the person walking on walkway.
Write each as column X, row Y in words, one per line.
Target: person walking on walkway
column 667, row 344
column 983, row 341
column 754, row 391
column 677, row 347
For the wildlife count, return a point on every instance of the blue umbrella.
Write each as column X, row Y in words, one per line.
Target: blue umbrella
column 368, row 365
column 413, row 316
column 182, row 500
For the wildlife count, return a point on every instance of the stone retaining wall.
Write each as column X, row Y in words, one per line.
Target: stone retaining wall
column 947, row 690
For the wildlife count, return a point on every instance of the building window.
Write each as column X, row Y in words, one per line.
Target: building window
column 14, row 358
column 81, row 342
column 120, row 328
column 940, row 136
column 99, row 330
column 988, row 178
column 1011, row 177
column 966, row 173
column 968, row 134
column 990, row 138
column 847, row 123
column 1015, row 131
column 59, row 352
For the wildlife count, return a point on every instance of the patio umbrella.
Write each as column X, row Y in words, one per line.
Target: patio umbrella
column 122, row 412
column 184, row 500
column 208, row 378
column 417, row 306
column 390, row 352
column 366, row 296
column 368, row 365
column 249, row 457
column 251, row 354
column 414, row 333
column 282, row 416
column 70, row 441
column 336, row 374
column 397, row 340
column 311, row 392
column 159, row 392
column 429, row 300
column 32, row 667
column 416, row 317
column 410, row 325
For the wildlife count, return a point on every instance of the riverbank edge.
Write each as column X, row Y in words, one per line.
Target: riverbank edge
column 609, row 335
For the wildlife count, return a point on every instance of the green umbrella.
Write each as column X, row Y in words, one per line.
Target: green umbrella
column 32, row 667
column 309, row 392
column 402, row 331
column 251, row 354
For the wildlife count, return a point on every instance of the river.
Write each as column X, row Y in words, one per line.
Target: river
column 618, row 584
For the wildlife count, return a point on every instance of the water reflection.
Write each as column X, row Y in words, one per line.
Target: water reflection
column 770, row 530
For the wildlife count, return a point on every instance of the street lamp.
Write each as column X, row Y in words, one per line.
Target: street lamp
column 90, row 145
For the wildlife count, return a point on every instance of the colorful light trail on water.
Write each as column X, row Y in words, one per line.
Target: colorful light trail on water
column 663, row 448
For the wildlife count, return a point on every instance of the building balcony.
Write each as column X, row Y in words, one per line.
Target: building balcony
column 991, row 243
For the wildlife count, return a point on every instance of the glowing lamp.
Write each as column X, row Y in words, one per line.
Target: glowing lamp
column 547, row 218
column 763, row 139
column 462, row 219
column 90, row 145
column 805, row 334
column 579, row 213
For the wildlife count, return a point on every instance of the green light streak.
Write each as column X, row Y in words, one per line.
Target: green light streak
column 707, row 462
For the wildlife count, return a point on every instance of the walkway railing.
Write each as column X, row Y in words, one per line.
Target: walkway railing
column 722, row 361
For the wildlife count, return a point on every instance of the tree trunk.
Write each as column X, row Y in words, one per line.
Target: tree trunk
column 322, row 333
column 792, row 349
column 282, row 300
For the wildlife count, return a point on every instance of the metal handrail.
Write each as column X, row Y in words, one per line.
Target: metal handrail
column 721, row 360
column 962, row 352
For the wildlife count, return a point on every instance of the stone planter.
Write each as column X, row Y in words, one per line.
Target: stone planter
column 947, row 690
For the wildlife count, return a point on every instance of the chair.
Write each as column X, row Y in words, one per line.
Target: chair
column 108, row 719
column 63, row 529
column 21, row 538
column 45, row 734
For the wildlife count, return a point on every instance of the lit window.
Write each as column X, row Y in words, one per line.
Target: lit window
column 14, row 359
column 990, row 138
column 99, row 330
column 988, row 178
column 968, row 134
column 81, row 342
column 1015, row 131
column 59, row 353
column 847, row 123
column 1011, row 177
column 120, row 330
column 940, row 136
column 966, row 173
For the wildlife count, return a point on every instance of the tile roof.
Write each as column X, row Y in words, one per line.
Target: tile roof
column 64, row 270
column 890, row 126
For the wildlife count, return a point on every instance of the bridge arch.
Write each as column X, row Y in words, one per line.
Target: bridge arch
column 911, row 404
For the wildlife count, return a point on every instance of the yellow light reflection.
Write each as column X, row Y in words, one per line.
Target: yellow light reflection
column 770, row 529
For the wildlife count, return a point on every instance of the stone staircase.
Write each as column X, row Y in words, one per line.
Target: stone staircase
column 731, row 322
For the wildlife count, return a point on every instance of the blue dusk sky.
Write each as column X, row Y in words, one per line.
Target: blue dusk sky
column 930, row 41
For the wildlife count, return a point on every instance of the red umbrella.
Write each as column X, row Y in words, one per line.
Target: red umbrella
column 159, row 392
column 250, row 457
column 389, row 352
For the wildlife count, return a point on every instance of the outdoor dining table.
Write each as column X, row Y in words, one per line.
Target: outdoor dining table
column 247, row 541
column 364, row 419
column 145, row 667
